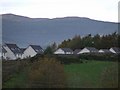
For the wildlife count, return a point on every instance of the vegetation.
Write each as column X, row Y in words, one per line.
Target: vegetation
column 110, row 77
column 91, row 75
column 97, row 41
column 44, row 72
column 9, row 68
column 48, row 72
column 50, row 49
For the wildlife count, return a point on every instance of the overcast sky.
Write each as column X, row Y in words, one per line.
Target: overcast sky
column 105, row 10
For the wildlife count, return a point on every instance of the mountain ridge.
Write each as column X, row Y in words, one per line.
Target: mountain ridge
column 43, row 31
column 67, row 17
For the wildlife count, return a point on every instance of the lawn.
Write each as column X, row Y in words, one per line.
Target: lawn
column 86, row 75
column 82, row 75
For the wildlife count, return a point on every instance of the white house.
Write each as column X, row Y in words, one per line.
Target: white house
column 13, row 51
column 4, row 53
column 64, row 51
column 32, row 50
column 115, row 50
column 105, row 51
column 88, row 50
column 0, row 53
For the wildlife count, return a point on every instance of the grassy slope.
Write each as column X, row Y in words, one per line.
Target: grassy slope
column 86, row 74
column 78, row 75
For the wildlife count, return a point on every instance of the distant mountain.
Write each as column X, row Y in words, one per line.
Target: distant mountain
column 43, row 31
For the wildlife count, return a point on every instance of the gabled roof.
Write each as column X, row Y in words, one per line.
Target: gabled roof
column 67, row 49
column 23, row 49
column 37, row 48
column 0, row 48
column 76, row 51
column 105, row 50
column 116, row 49
column 92, row 49
column 14, row 48
column 3, row 50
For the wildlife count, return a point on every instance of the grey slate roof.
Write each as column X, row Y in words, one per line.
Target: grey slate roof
column 116, row 49
column 106, row 50
column 67, row 49
column 14, row 48
column 23, row 49
column 37, row 48
column 92, row 49
column 3, row 50
column 76, row 51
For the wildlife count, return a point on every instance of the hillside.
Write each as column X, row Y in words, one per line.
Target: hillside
column 24, row 30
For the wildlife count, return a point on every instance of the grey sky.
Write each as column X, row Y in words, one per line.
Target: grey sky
column 105, row 10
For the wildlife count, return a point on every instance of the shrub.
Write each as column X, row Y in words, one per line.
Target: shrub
column 47, row 73
column 67, row 59
column 102, row 57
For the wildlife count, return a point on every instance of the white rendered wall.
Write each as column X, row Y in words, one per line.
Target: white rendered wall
column 85, row 50
column 29, row 52
column 59, row 51
column 9, row 55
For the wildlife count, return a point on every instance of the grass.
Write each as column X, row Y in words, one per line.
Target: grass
column 82, row 75
column 18, row 80
column 86, row 75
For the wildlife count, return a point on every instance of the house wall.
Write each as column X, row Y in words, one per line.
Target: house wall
column 4, row 55
column 85, row 50
column 101, row 51
column 9, row 54
column 29, row 52
column 18, row 56
column 0, row 55
column 59, row 51
column 111, row 49
column 68, row 52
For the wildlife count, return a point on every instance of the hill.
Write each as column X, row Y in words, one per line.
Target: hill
column 24, row 30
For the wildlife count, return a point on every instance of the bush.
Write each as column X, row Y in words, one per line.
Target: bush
column 101, row 57
column 47, row 73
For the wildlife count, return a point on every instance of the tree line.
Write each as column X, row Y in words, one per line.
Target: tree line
column 97, row 41
column 79, row 42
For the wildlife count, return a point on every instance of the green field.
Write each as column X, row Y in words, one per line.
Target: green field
column 86, row 74
column 82, row 75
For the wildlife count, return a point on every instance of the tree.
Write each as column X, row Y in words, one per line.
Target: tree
column 97, row 41
column 63, row 44
column 105, row 41
column 54, row 46
column 48, row 50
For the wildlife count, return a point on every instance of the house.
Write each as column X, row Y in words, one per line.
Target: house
column 88, row 50
column 23, row 49
column 0, row 53
column 115, row 50
column 64, row 51
column 76, row 51
column 4, row 52
column 32, row 50
column 105, row 51
column 13, row 51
